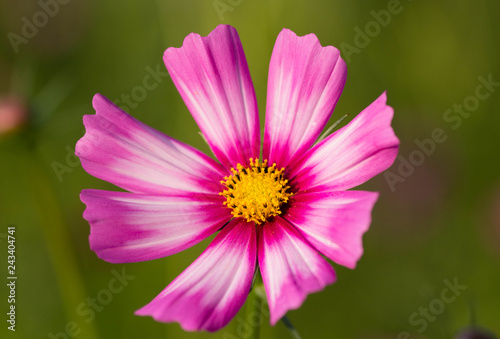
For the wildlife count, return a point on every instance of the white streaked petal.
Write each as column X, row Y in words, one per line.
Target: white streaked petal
column 208, row 294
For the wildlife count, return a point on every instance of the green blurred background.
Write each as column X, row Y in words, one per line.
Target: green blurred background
column 441, row 222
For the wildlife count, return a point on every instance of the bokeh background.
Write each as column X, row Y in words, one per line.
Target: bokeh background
column 439, row 221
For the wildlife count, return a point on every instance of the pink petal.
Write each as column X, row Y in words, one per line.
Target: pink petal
column 333, row 222
column 351, row 155
column 130, row 227
column 214, row 287
column 212, row 76
column 122, row 150
column 305, row 82
column 290, row 267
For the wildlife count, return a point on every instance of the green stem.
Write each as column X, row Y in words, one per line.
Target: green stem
column 58, row 241
column 295, row 334
column 254, row 308
column 330, row 129
column 254, row 316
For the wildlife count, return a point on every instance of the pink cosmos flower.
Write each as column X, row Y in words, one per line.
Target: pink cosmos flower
column 281, row 214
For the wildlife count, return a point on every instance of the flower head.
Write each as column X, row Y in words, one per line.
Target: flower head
column 281, row 214
column 256, row 193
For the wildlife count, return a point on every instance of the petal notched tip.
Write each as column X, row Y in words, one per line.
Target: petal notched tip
column 312, row 38
column 217, row 31
column 98, row 100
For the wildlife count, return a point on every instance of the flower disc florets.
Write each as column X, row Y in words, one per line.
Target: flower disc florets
column 256, row 192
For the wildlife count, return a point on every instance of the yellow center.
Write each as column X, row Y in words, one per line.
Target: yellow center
column 256, row 192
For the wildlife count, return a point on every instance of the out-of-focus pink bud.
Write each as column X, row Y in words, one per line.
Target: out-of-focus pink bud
column 13, row 114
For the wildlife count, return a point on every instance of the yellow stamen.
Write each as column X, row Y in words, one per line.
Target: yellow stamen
column 256, row 192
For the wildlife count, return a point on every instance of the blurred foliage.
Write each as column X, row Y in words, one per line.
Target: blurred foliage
column 441, row 223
